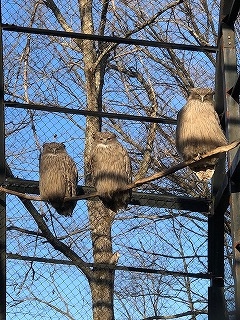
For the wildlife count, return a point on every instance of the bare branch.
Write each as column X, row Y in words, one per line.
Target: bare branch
column 179, row 315
column 20, row 195
column 28, row 232
column 57, row 245
column 57, row 13
column 140, row 27
column 183, row 164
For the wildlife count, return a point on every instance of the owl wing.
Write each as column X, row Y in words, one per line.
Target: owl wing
column 43, row 163
column 71, row 175
column 128, row 166
column 89, row 169
column 180, row 120
column 182, row 115
column 73, row 169
column 126, row 162
column 216, row 116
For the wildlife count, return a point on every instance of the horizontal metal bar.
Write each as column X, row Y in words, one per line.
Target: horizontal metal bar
column 111, row 266
column 171, row 202
column 90, row 113
column 138, row 198
column 118, row 40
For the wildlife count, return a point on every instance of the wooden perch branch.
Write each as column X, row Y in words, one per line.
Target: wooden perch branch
column 20, row 195
column 138, row 182
column 182, row 165
column 37, row 198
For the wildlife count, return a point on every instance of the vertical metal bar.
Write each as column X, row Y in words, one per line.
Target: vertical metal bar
column 232, row 112
column 233, row 125
column 226, row 78
column 2, row 195
column 216, row 300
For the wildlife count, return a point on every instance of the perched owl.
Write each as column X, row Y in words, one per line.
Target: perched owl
column 110, row 170
column 58, row 177
column 198, row 131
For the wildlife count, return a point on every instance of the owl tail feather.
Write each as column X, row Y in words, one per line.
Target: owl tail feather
column 111, row 204
column 65, row 208
column 117, row 202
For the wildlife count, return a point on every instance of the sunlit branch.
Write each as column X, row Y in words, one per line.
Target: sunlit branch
column 182, row 165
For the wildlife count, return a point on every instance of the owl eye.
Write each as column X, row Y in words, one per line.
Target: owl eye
column 109, row 138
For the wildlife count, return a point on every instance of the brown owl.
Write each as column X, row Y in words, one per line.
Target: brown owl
column 58, row 177
column 110, row 170
column 198, row 131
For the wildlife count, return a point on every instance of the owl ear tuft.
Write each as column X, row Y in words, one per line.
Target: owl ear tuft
column 44, row 145
column 191, row 90
column 95, row 134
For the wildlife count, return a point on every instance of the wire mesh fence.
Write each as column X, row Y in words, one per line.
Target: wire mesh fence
column 168, row 247
column 56, row 290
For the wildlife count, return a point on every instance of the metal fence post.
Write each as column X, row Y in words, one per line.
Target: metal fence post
column 2, row 195
column 227, row 76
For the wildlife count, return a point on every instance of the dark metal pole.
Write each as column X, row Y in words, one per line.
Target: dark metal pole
column 232, row 116
column 216, row 301
column 2, row 195
column 77, row 35
column 226, row 80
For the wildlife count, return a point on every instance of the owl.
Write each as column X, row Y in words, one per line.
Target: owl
column 58, row 177
column 198, row 131
column 110, row 170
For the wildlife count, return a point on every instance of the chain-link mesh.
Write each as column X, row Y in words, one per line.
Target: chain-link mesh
column 167, row 247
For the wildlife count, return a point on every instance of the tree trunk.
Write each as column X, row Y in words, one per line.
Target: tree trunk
column 102, row 281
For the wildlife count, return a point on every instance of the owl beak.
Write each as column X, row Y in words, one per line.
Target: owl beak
column 202, row 98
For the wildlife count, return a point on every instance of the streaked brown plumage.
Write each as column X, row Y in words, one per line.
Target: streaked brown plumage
column 198, row 131
column 58, row 177
column 110, row 170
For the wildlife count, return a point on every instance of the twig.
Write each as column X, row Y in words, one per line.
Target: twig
column 138, row 182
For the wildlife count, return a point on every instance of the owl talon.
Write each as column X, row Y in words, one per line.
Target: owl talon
column 198, row 157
